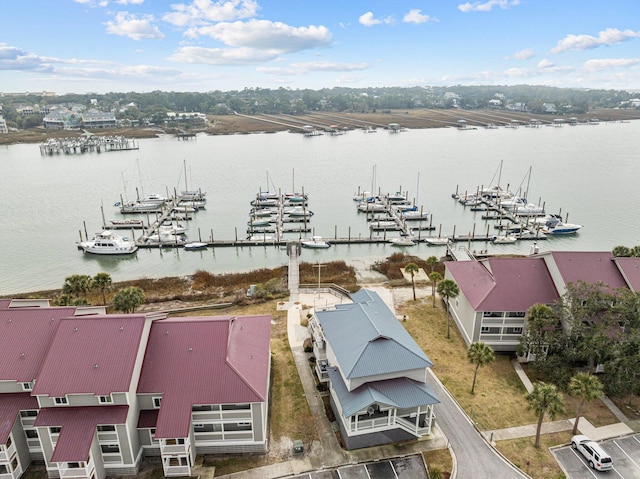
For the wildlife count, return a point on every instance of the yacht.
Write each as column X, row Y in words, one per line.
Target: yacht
column 108, row 242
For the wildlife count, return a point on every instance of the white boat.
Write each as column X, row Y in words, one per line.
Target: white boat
column 260, row 237
column 298, row 211
column 165, row 239
column 437, row 240
column 513, row 203
column 108, row 242
column 174, row 229
column 262, row 212
column 560, row 228
column 184, row 209
column 415, row 215
column 315, row 242
column 402, row 241
column 372, row 207
column 258, row 222
column 194, row 245
column 264, row 202
column 530, row 209
column 139, row 207
column 504, row 239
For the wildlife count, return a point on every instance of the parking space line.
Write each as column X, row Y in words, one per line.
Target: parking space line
column 625, row 453
column 393, row 469
column 582, row 459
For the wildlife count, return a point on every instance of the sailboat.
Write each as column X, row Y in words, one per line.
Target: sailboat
column 193, row 198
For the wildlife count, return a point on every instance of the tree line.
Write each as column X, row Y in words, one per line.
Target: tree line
column 154, row 105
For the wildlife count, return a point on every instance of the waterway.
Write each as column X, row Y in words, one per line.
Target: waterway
column 589, row 172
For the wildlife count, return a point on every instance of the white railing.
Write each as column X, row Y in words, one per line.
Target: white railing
column 76, row 472
column 174, row 449
column 177, row 471
column 7, row 453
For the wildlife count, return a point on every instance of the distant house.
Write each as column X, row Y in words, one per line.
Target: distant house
column 549, row 108
column 91, row 395
column 3, row 125
column 95, row 119
column 496, row 293
column 375, row 370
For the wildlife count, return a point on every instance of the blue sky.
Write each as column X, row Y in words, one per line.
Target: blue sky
column 202, row 45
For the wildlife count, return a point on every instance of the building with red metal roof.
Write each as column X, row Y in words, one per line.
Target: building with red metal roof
column 496, row 293
column 86, row 394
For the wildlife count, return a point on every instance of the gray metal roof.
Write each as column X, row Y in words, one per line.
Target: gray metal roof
column 401, row 393
column 368, row 340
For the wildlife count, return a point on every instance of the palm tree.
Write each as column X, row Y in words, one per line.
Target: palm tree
column 447, row 288
column 479, row 354
column 412, row 269
column 128, row 299
column 435, row 278
column 432, row 262
column 102, row 281
column 545, row 398
column 76, row 285
column 587, row 388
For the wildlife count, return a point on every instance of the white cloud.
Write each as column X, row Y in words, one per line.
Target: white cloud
column 266, row 35
column 609, row 63
column 416, row 16
column 349, row 79
column 330, row 66
column 137, row 28
column 545, row 64
column 200, row 12
column 606, row 37
column 222, row 56
column 522, row 55
column 368, row 20
column 487, row 6
column 130, row 2
column 14, row 58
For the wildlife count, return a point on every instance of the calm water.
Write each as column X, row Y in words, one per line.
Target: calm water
column 589, row 172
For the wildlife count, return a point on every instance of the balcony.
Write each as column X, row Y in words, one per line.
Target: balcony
column 7, row 453
column 175, row 447
column 76, row 470
column 176, row 466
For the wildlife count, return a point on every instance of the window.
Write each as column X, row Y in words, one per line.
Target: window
column 105, row 399
column 31, row 433
column 3, row 469
column 106, row 428
column 60, row 400
column 28, row 413
column 490, row 330
column 54, row 430
column 27, row 386
column 233, row 407
column 156, row 402
column 202, row 408
column 110, row 448
column 492, row 314
column 8, row 443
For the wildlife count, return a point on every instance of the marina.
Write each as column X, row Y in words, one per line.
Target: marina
column 87, row 144
column 72, row 190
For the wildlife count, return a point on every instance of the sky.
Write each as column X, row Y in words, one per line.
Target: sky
column 100, row 46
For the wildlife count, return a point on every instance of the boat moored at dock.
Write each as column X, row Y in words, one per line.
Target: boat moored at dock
column 108, row 243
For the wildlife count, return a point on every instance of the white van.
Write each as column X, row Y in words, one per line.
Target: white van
column 592, row 452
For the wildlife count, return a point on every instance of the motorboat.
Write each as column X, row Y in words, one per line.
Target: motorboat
column 402, row 241
column 174, row 229
column 315, row 242
column 165, row 239
column 267, row 202
column 194, row 245
column 384, row 225
column 504, row 239
column 108, row 242
column 258, row 222
column 560, row 228
column 263, row 212
column 513, row 203
column 414, row 215
column 125, row 224
column 139, row 207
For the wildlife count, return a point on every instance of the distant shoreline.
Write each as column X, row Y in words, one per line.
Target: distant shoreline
column 410, row 119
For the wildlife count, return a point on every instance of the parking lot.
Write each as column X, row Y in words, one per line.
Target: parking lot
column 625, row 452
column 411, row 467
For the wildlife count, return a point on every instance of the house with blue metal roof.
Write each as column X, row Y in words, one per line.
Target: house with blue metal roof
column 375, row 371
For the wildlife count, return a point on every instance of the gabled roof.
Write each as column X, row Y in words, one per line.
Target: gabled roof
column 10, row 405
column 91, row 354
column 402, row 393
column 25, row 334
column 205, row 360
column 630, row 270
column 367, row 338
column 78, row 426
column 588, row 266
column 504, row 284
